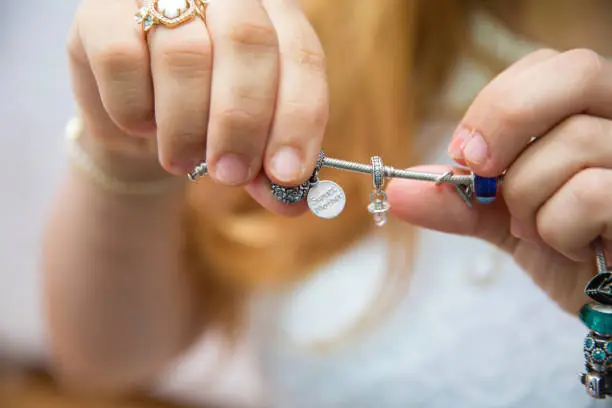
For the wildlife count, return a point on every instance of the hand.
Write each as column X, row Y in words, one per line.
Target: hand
column 557, row 193
column 259, row 100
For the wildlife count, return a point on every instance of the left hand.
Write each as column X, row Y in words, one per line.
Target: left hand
column 556, row 198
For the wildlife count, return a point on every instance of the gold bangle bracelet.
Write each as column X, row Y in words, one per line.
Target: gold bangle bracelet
column 82, row 162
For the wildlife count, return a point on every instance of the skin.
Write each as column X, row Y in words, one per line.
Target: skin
column 556, row 191
column 128, row 251
column 115, row 278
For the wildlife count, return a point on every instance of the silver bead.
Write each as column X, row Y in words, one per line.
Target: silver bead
column 593, row 383
column 290, row 195
column 378, row 198
column 295, row 194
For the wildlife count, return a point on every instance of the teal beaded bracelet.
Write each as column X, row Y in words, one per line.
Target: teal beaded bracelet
column 597, row 317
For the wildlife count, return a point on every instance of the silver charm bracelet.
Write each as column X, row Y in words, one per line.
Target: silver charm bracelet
column 326, row 199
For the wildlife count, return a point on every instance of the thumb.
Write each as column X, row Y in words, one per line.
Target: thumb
column 440, row 208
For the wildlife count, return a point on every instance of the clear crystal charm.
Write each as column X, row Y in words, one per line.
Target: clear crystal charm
column 380, row 219
column 378, row 208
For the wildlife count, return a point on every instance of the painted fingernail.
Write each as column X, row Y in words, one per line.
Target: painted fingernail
column 476, row 150
column 516, row 229
column 286, row 165
column 232, row 170
column 457, row 144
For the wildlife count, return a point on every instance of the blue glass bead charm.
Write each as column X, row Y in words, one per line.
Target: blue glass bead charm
column 485, row 189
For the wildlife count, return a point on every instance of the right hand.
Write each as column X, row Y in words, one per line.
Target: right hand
column 259, row 101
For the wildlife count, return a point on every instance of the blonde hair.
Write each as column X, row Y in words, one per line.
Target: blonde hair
column 387, row 61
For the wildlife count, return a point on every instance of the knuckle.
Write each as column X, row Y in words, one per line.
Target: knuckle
column 589, row 187
column 308, row 57
column 250, row 34
column 190, row 58
column 581, row 130
column 132, row 118
column 586, row 61
column 510, row 113
column 587, row 192
column 549, row 230
column 118, row 60
column 316, row 114
column 513, row 192
column 506, row 106
column 240, row 121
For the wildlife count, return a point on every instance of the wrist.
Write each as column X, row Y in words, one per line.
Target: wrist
column 116, row 169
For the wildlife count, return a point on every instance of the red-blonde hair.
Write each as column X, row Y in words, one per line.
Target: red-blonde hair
column 387, row 61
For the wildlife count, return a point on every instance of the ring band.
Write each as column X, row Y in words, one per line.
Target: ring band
column 169, row 13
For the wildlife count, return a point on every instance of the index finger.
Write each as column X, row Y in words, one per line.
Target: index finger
column 512, row 110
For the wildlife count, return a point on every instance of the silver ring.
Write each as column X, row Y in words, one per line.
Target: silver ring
column 378, row 172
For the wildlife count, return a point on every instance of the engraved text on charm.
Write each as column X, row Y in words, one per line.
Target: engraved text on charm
column 593, row 384
column 326, row 199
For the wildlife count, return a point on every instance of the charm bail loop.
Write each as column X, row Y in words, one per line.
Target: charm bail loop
column 378, row 198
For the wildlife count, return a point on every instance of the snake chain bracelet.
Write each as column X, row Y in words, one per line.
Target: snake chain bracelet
column 326, row 199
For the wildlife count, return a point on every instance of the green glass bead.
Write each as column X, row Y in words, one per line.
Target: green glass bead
column 598, row 355
column 589, row 343
column 609, row 347
column 597, row 318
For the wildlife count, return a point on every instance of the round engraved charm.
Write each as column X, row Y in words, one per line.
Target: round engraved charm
column 326, row 199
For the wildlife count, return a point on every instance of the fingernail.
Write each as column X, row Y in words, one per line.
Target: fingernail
column 286, row 165
column 476, row 150
column 232, row 170
column 457, row 144
column 516, row 229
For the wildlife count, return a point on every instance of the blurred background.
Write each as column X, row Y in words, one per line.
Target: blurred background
column 36, row 103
